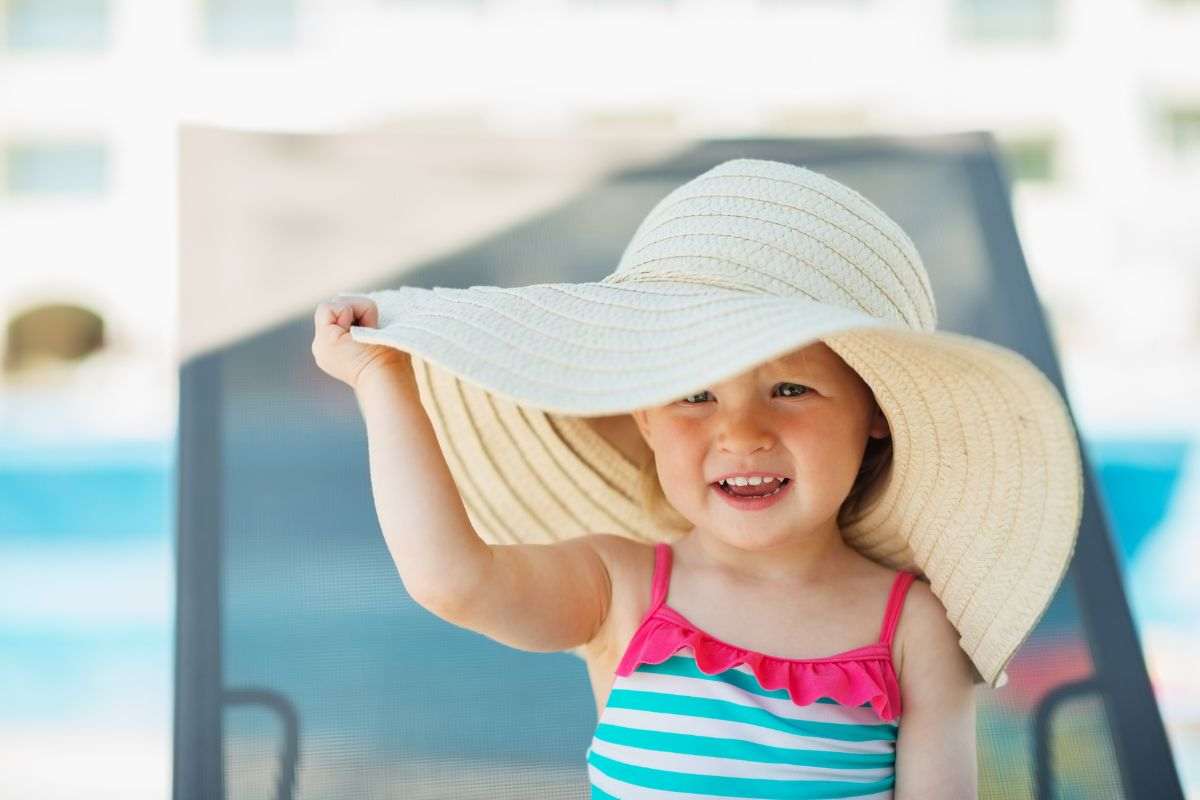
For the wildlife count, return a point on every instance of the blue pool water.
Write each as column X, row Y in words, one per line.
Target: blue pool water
column 87, row 571
column 1139, row 478
column 104, row 491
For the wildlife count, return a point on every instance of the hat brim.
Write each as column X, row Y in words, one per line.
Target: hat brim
column 986, row 491
column 984, row 494
column 594, row 349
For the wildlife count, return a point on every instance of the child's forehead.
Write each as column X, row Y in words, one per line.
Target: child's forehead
column 814, row 356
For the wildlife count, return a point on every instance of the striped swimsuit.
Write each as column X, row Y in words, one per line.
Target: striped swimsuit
column 691, row 716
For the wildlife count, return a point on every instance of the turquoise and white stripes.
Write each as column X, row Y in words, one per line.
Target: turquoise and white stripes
column 670, row 731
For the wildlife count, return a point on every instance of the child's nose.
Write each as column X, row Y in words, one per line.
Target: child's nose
column 745, row 433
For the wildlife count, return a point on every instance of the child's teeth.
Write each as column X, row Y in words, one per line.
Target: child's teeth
column 755, row 481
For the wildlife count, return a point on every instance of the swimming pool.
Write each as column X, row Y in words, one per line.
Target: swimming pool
column 87, row 588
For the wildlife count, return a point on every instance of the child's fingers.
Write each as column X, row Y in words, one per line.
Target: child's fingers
column 329, row 313
column 363, row 310
column 324, row 315
column 328, row 322
column 333, row 319
column 370, row 317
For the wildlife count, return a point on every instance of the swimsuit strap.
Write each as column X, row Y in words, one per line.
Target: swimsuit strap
column 662, row 574
column 891, row 616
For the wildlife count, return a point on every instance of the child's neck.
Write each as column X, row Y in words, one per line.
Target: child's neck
column 807, row 558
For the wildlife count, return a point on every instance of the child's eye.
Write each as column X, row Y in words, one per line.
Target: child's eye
column 798, row 385
column 797, row 394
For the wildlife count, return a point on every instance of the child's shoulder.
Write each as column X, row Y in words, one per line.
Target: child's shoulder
column 630, row 562
column 622, row 551
column 922, row 619
column 630, row 566
column 921, row 614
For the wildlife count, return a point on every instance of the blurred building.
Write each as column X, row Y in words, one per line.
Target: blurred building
column 1097, row 108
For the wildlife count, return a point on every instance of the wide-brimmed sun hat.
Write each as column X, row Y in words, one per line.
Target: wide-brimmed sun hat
column 748, row 261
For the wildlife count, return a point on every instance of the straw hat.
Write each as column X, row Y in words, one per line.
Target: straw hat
column 983, row 496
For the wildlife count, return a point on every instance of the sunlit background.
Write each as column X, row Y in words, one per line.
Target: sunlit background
column 1097, row 106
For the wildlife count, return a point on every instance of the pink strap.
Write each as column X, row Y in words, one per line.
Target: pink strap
column 891, row 616
column 662, row 574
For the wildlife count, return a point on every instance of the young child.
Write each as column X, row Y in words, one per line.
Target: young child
column 793, row 510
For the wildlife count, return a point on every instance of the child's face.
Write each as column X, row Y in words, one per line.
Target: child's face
column 814, row 433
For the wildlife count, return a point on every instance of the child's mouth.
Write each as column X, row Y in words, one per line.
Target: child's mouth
column 754, row 501
column 782, row 482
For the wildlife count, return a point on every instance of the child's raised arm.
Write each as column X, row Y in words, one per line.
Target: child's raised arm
column 544, row 597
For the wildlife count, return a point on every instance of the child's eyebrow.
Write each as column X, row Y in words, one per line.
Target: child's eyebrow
column 795, row 363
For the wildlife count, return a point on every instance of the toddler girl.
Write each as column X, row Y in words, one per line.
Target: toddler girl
column 787, row 523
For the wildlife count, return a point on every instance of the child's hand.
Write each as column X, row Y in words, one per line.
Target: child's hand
column 335, row 350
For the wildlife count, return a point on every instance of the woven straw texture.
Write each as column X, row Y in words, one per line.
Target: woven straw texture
column 748, row 261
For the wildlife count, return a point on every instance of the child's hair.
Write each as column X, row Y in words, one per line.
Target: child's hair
column 877, row 459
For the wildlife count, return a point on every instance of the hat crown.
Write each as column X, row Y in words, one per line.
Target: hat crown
column 769, row 227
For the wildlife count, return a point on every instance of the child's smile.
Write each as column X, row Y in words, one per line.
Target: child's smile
column 792, row 431
column 753, row 502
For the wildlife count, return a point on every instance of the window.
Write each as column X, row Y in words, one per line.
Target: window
column 1030, row 159
column 55, row 24
column 54, row 168
column 249, row 24
column 1181, row 129
column 1005, row 20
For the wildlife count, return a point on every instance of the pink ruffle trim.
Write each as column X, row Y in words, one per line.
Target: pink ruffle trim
column 851, row 678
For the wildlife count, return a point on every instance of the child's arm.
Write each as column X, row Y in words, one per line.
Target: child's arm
column 541, row 597
column 420, row 513
column 935, row 750
column 535, row 597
